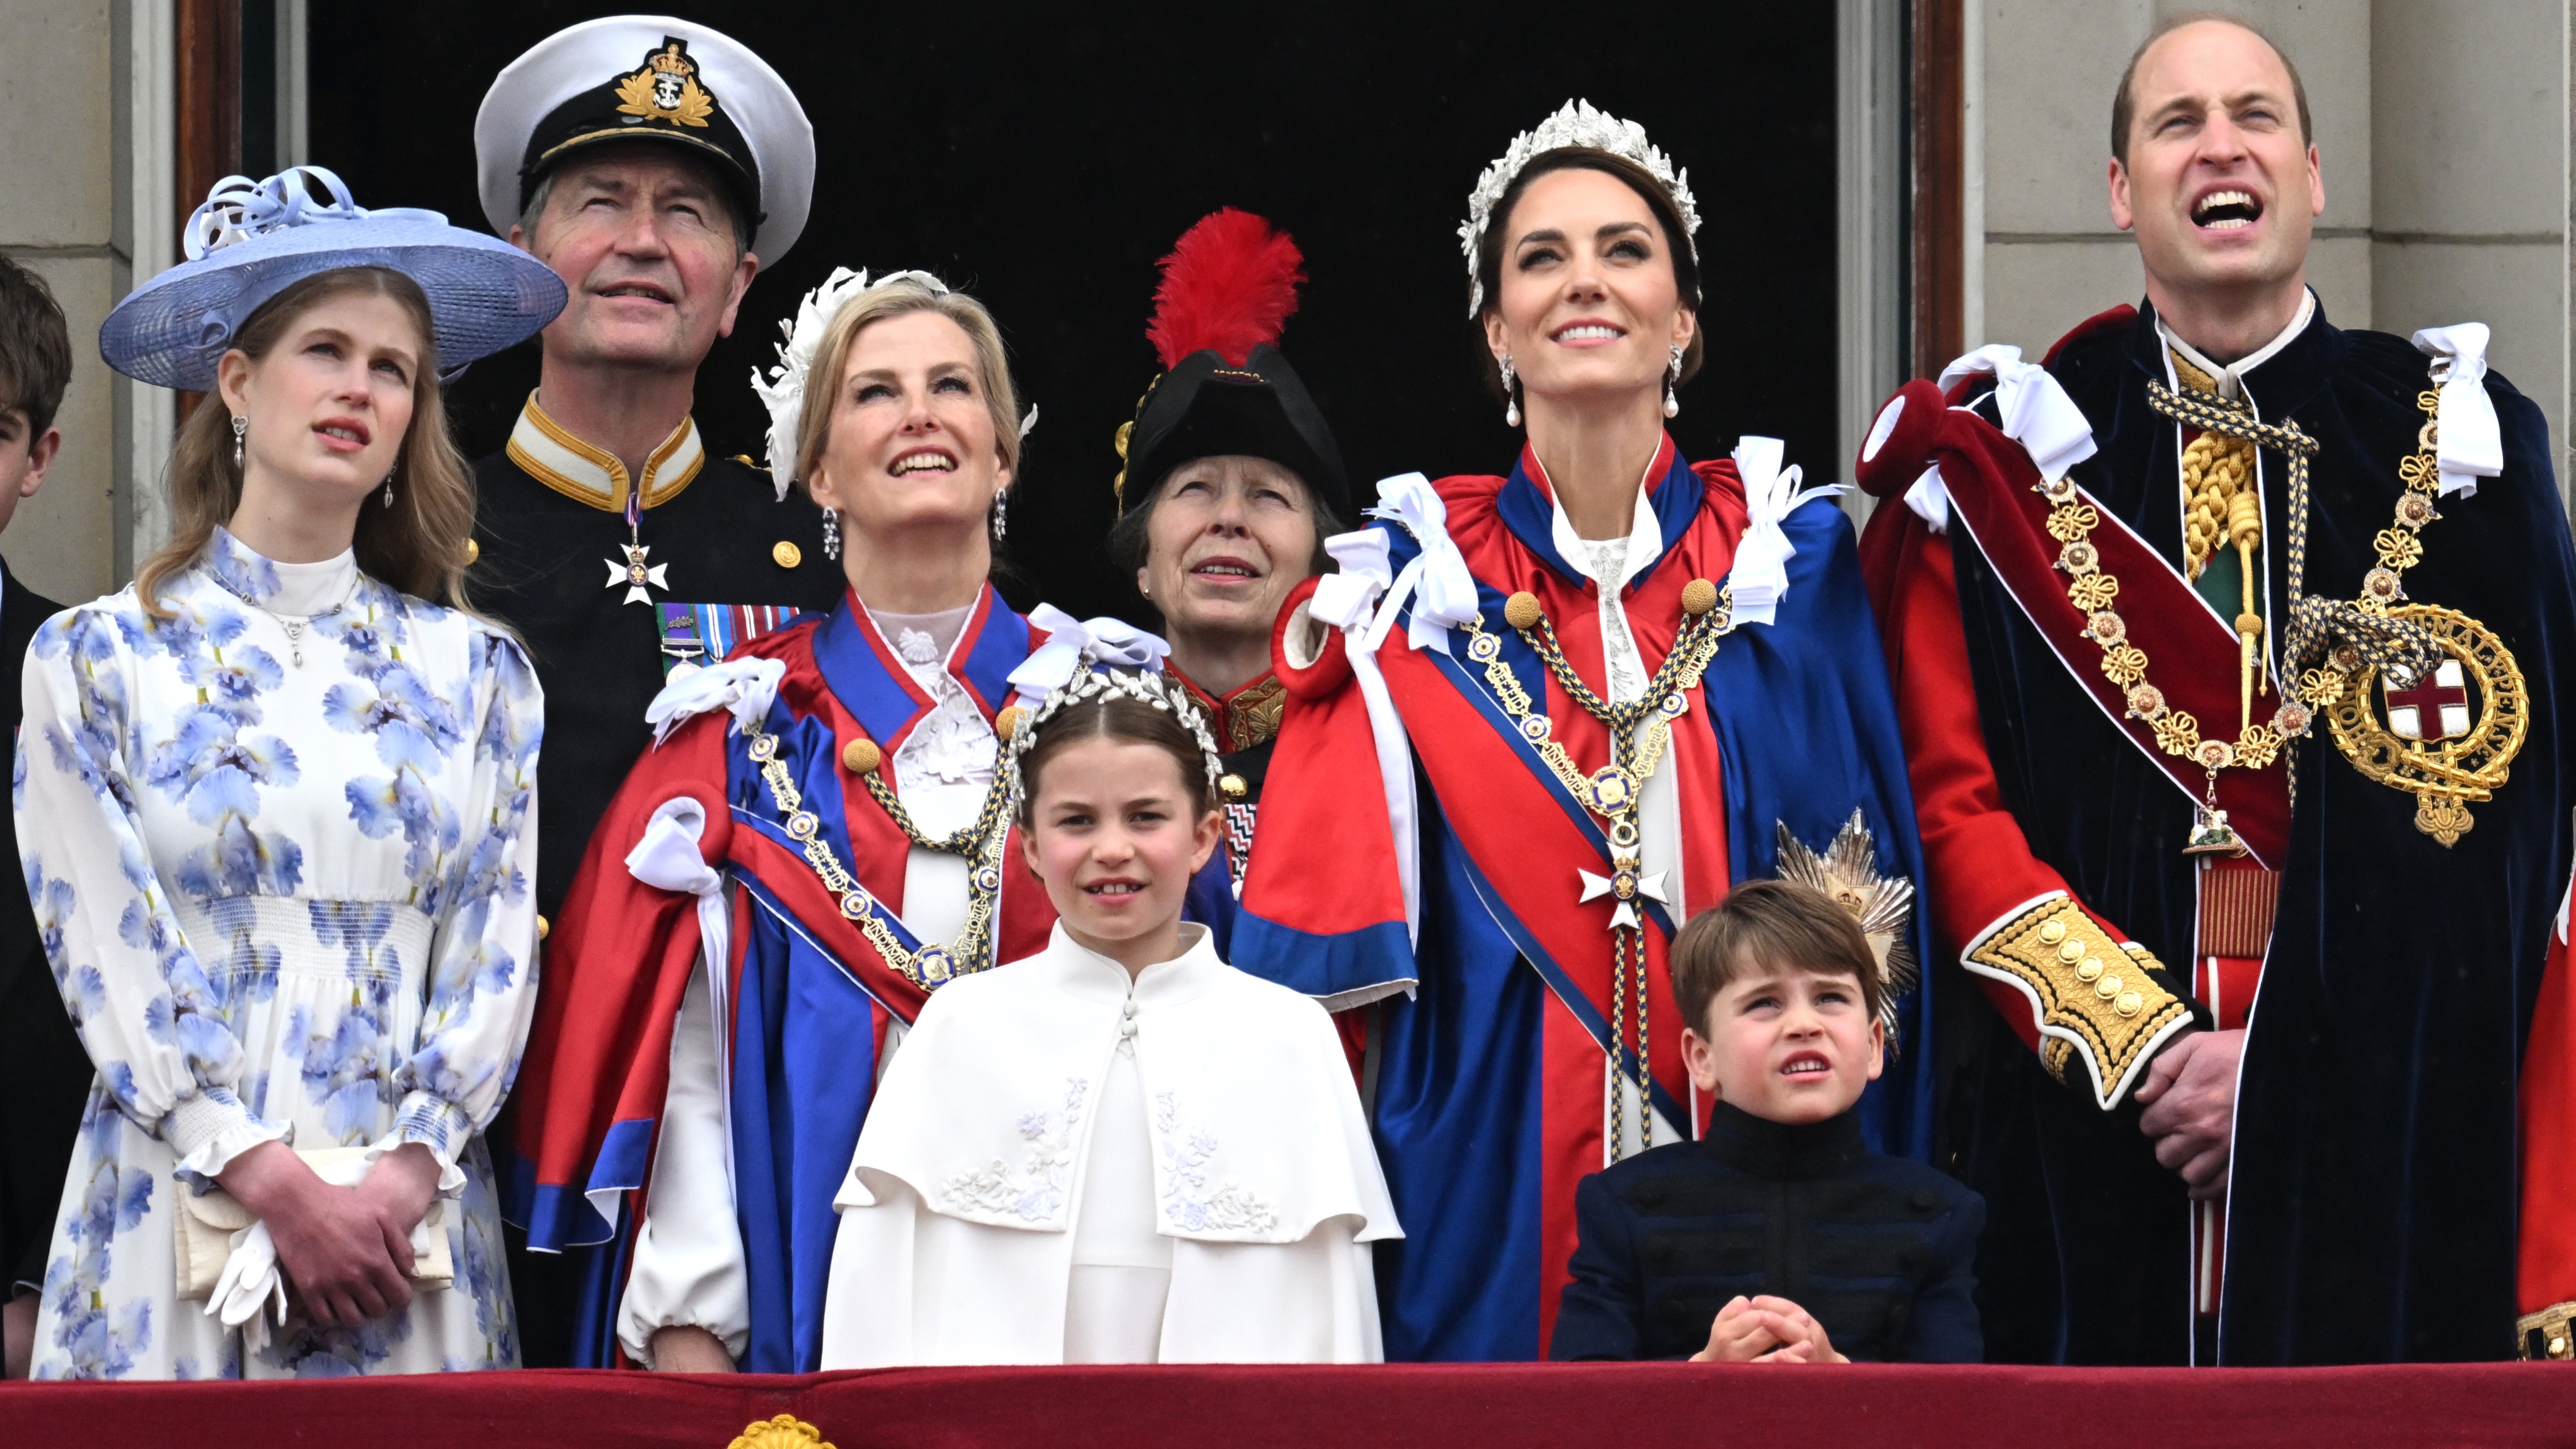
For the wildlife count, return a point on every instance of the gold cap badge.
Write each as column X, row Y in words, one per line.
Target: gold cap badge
column 666, row 89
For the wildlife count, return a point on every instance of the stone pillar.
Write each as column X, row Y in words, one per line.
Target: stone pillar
column 60, row 171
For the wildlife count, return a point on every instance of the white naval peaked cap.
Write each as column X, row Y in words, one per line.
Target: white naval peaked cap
column 657, row 78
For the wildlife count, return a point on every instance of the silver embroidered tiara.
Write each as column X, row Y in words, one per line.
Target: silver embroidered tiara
column 1576, row 123
column 1087, row 683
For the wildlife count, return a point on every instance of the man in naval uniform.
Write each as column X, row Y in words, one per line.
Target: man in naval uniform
column 2224, row 645
column 656, row 165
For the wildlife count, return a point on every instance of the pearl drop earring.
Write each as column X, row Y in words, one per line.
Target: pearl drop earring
column 1511, row 399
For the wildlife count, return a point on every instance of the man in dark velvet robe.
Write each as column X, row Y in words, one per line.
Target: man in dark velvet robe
column 2150, row 784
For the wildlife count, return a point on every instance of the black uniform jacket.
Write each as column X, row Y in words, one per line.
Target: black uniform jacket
column 543, row 570
column 44, row 1072
column 1878, row 1249
column 2372, row 1206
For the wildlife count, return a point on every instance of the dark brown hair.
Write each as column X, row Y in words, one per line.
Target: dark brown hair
column 35, row 348
column 1774, row 924
column 419, row 544
column 2124, row 101
column 1677, row 242
column 1126, row 721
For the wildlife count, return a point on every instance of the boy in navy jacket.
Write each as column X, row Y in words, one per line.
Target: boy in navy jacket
column 1780, row 1237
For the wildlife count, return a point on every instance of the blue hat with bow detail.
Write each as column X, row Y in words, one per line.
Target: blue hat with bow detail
column 253, row 240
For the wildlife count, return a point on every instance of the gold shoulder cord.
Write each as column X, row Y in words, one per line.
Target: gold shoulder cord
column 981, row 843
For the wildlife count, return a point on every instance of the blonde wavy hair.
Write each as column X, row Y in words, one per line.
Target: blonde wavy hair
column 419, row 545
column 898, row 298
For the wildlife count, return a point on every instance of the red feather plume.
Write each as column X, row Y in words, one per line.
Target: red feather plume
column 1230, row 283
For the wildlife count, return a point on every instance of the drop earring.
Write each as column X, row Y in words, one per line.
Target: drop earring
column 1672, row 380
column 1511, row 399
column 1001, row 514
column 831, row 534
column 241, row 425
column 389, row 490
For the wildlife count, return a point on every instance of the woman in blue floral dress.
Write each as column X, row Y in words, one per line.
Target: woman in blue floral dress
column 277, row 813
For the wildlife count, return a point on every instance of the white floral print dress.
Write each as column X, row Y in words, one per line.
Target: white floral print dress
column 283, row 900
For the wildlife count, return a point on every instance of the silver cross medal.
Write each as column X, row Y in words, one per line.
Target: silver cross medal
column 1627, row 887
column 635, row 573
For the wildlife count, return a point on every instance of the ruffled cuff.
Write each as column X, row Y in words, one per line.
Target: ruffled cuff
column 437, row 1124
column 209, row 1130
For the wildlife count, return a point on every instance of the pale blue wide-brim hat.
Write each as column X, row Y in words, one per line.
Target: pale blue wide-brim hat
column 253, row 240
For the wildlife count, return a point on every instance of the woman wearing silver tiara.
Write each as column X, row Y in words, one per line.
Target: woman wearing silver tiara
column 1119, row 1150
column 280, row 827
column 823, row 821
column 1628, row 682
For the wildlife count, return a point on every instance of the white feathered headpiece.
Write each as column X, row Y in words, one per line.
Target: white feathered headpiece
column 1576, row 123
column 783, row 390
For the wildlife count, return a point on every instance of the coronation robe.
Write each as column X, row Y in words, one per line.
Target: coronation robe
column 1077, row 1165
column 2387, row 980
column 736, row 929
column 1431, row 862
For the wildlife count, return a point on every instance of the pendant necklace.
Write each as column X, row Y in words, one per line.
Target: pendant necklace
column 633, row 573
column 1614, row 793
column 296, row 626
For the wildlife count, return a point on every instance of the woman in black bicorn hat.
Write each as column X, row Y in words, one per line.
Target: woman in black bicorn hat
column 1232, row 483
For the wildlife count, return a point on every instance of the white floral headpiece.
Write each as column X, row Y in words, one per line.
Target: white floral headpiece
column 1576, row 123
column 1153, row 688
column 783, row 390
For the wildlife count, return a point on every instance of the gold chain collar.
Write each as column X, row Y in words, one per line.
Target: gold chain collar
column 1613, row 792
column 933, row 965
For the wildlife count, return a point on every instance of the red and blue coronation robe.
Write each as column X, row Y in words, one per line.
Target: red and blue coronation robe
column 1490, row 1054
column 806, row 1001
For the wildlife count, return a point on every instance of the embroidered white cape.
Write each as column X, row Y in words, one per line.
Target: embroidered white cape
column 958, row 1218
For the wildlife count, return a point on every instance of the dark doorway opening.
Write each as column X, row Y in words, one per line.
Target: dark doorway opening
column 1044, row 156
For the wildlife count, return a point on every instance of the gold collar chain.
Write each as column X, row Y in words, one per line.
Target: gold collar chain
column 933, row 965
column 1613, row 792
column 2349, row 639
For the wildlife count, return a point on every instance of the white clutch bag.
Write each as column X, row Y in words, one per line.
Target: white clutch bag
column 205, row 1226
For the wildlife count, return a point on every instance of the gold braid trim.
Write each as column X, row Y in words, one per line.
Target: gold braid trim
column 2550, row 1333
column 2096, row 997
column 2215, row 468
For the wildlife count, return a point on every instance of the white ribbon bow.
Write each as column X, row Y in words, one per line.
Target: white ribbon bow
column 1071, row 641
column 1771, row 494
column 2470, row 445
column 744, row 686
column 2035, row 411
column 1436, row 583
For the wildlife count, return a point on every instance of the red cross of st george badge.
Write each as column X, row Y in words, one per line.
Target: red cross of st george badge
column 2435, row 709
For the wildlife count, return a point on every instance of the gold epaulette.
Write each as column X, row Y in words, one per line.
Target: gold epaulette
column 2550, row 1333
column 2096, row 997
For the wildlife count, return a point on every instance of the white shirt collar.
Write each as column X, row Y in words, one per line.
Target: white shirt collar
column 551, row 454
column 2231, row 378
column 1645, row 534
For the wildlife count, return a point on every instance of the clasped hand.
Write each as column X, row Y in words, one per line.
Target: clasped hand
column 1766, row 1330
column 346, row 1251
column 2190, row 1097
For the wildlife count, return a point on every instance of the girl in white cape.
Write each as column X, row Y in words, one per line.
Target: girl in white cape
column 1120, row 1150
